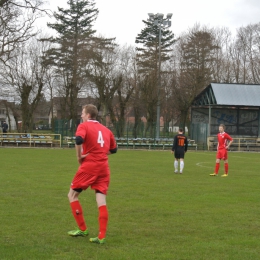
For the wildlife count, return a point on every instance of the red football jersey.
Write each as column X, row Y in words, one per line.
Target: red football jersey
column 98, row 140
column 222, row 140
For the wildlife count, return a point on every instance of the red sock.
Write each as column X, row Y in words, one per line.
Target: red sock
column 102, row 219
column 216, row 168
column 78, row 214
column 226, row 168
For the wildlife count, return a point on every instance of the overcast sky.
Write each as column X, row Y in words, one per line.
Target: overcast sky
column 123, row 19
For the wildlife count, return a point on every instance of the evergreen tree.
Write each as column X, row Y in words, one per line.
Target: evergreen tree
column 74, row 46
column 152, row 51
column 148, row 48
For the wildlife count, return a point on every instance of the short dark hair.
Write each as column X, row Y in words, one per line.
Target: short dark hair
column 92, row 110
column 180, row 130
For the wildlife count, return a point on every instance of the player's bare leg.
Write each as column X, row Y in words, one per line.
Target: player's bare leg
column 102, row 218
column 77, row 213
column 73, row 195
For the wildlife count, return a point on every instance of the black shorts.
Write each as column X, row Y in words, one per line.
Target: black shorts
column 179, row 153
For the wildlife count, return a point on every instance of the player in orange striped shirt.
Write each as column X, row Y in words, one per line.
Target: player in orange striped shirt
column 179, row 148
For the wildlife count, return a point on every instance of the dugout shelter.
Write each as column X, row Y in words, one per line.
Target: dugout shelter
column 237, row 106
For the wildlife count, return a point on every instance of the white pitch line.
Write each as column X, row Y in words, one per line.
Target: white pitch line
column 205, row 154
column 199, row 164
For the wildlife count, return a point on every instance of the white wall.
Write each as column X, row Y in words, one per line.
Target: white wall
column 175, row 129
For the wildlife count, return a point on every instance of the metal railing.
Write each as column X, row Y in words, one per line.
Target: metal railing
column 239, row 144
column 150, row 143
column 30, row 139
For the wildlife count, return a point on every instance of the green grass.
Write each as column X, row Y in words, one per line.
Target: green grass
column 153, row 213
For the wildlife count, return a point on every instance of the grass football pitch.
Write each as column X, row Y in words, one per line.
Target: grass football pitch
column 153, row 213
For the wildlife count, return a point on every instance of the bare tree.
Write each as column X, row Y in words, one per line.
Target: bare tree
column 246, row 51
column 52, row 83
column 131, row 88
column 25, row 74
column 125, row 81
column 195, row 54
column 101, row 72
column 221, row 64
column 16, row 24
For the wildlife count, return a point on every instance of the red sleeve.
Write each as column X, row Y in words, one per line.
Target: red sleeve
column 81, row 130
column 229, row 137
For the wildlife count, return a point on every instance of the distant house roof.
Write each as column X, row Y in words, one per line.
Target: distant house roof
column 229, row 94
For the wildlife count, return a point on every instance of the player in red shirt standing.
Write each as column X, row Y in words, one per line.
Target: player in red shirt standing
column 94, row 142
column 224, row 142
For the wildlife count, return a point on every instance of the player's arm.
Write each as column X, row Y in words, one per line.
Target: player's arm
column 230, row 142
column 186, row 144
column 111, row 151
column 78, row 152
column 174, row 144
column 113, row 145
column 79, row 139
column 78, row 146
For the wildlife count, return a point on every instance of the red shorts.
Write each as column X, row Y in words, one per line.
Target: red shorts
column 87, row 175
column 222, row 154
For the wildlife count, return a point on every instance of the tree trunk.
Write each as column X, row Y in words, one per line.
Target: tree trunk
column 137, row 121
column 183, row 119
column 27, row 108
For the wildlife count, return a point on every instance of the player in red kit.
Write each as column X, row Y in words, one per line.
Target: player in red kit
column 94, row 142
column 224, row 142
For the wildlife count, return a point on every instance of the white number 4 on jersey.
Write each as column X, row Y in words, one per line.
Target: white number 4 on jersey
column 100, row 139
